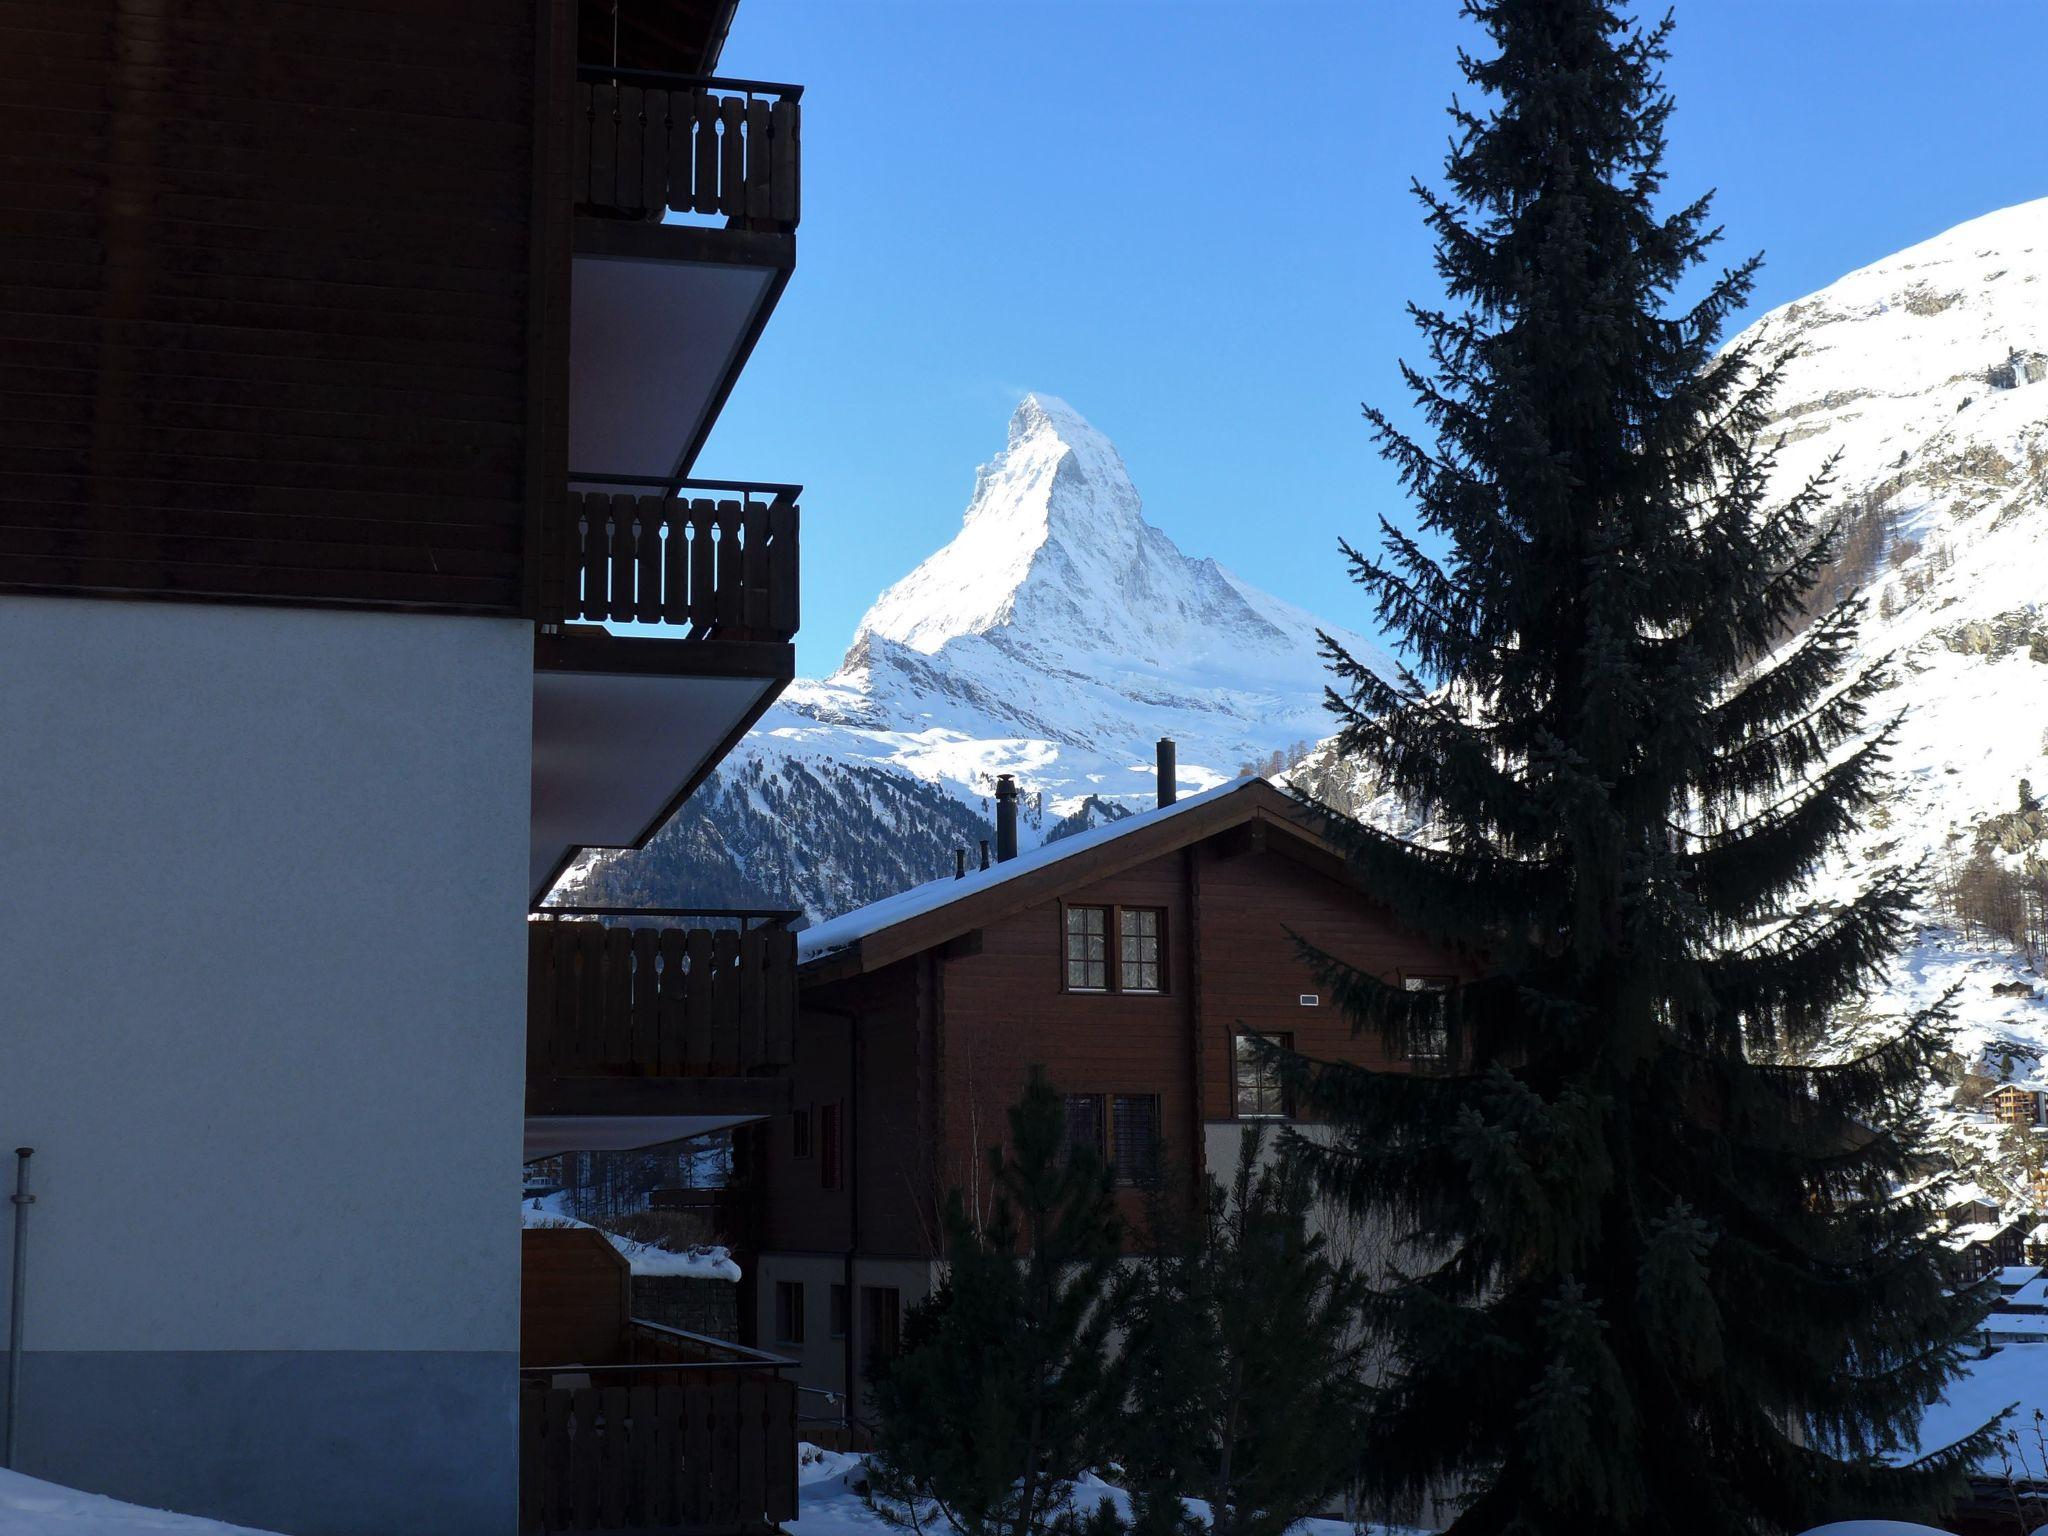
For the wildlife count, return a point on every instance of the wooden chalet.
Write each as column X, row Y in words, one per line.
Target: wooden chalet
column 1134, row 964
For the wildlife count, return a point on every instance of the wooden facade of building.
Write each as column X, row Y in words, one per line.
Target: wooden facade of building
column 916, row 1036
column 354, row 358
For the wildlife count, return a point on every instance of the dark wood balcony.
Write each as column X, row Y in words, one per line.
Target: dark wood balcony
column 651, row 145
column 680, row 1022
column 707, row 559
column 686, row 196
column 628, row 1426
column 627, row 725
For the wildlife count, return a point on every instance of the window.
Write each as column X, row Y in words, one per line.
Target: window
column 1114, row 949
column 789, row 1311
column 1429, row 1038
column 800, row 1133
column 1261, row 1092
column 882, row 1318
column 1087, row 949
column 828, row 1146
column 842, row 1312
column 1137, row 948
column 1137, row 1138
column 1084, row 1121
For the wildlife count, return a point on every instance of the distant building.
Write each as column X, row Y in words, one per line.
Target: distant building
column 1137, row 965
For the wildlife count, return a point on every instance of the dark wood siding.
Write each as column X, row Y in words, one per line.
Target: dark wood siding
column 883, row 1138
column 950, row 1035
column 1253, row 978
column 1005, row 1012
column 264, row 298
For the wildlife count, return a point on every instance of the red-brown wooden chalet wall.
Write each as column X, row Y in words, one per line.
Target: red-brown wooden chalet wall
column 994, row 1007
column 264, row 297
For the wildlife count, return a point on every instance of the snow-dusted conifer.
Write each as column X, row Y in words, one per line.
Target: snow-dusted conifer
column 1242, row 1358
column 1001, row 1397
column 1659, row 1277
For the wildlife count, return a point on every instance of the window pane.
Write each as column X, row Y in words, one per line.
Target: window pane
column 1137, row 1138
column 1084, row 1121
column 1428, row 1034
column 1138, row 949
column 1088, row 948
column 1261, row 1092
column 789, row 1311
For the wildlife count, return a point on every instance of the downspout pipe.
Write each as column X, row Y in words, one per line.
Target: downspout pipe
column 22, row 1200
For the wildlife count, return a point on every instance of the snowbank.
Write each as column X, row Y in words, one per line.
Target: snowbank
column 713, row 1263
column 828, row 1505
column 31, row 1507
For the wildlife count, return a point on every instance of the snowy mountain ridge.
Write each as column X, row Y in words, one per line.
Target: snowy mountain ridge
column 1057, row 637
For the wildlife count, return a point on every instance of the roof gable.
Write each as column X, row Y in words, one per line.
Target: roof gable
column 928, row 915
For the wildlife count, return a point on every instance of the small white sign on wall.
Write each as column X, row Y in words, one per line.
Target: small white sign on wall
column 1311, row 1000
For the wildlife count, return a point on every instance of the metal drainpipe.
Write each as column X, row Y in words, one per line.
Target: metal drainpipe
column 22, row 1201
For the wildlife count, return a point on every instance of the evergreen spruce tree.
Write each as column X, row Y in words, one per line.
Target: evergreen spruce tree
column 1657, row 1278
column 1001, row 1396
column 1242, row 1359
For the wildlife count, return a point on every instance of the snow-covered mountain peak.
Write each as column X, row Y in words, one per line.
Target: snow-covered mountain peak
column 1058, row 635
column 1055, row 509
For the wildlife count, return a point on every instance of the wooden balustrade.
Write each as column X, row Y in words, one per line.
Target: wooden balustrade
column 704, row 1451
column 687, row 147
column 653, row 1001
column 725, row 567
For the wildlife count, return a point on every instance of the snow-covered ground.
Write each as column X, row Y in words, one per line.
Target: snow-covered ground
column 714, row 1262
column 32, row 1507
column 829, row 1505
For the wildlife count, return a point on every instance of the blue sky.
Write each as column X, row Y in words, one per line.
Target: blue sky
column 1191, row 220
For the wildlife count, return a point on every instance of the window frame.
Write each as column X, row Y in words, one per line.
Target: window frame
column 1158, row 937
column 874, row 1331
column 1100, row 1145
column 1067, row 962
column 1441, row 985
column 1112, row 947
column 789, row 1305
column 800, row 1133
column 1125, row 1177
column 1284, row 1039
column 830, row 1153
column 840, row 1324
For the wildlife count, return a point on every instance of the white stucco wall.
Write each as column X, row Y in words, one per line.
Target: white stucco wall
column 262, row 970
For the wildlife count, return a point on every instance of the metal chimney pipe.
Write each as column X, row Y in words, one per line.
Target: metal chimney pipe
column 1168, row 787
column 959, row 863
column 22, row 1201
column 1006, row 818
column 984, row 853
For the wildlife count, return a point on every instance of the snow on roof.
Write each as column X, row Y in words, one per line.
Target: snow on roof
column 851, row 927
column 2032, row 1323
column 2031, row 1293
column 2017, row 1275
column 2012, row 1376
column 712, row 1263
column 1976, row 1232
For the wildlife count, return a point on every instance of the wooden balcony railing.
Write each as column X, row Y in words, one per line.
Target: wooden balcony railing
column 717, row 556
column 689, row 1435
column 658, row 999
column 650, row 144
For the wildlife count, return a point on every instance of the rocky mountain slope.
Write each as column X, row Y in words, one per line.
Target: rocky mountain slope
column 1057, row 637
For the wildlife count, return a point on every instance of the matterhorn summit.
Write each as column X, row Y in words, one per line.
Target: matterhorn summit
column 1059, row 635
